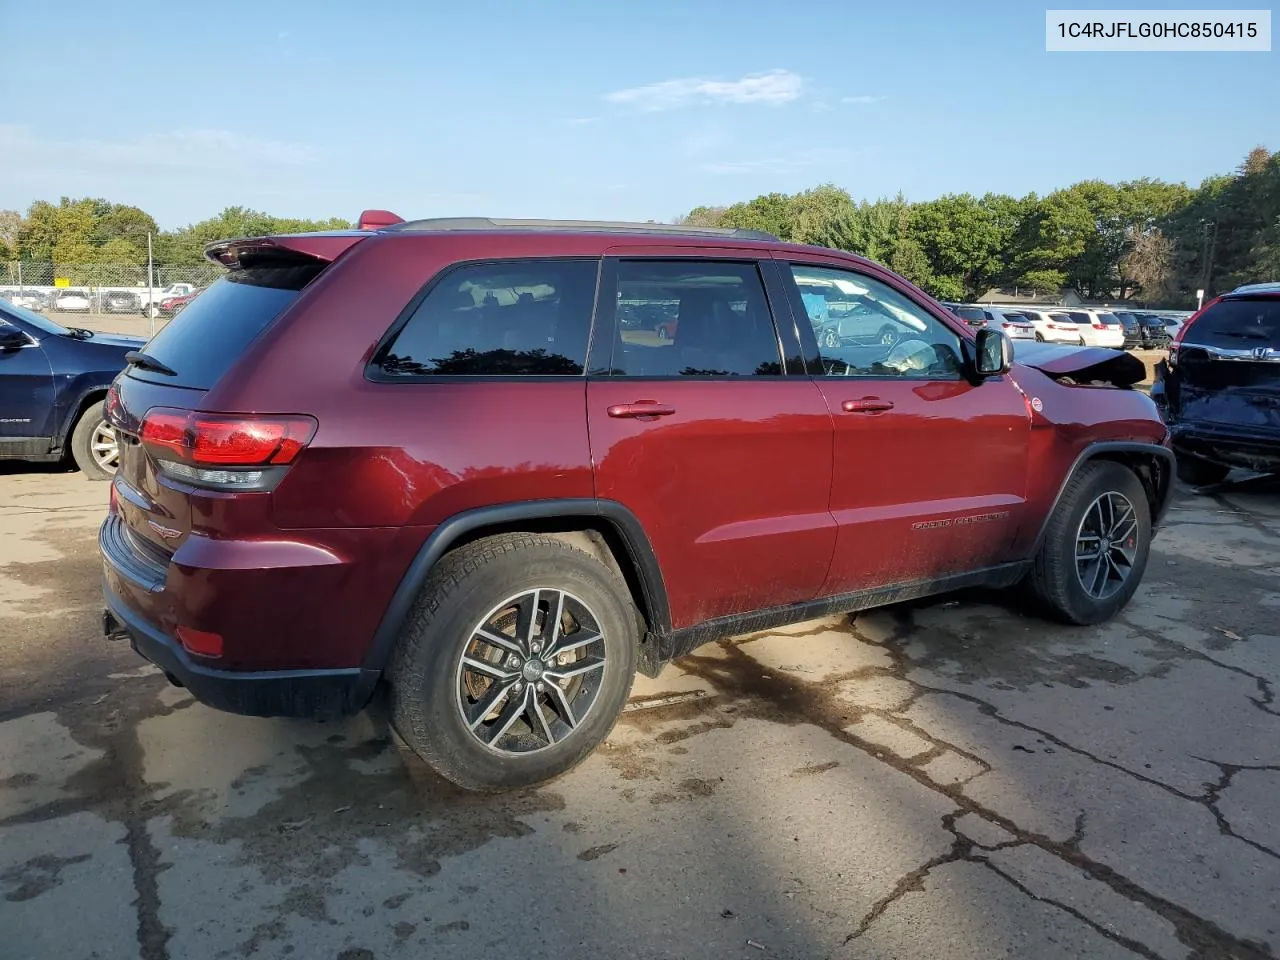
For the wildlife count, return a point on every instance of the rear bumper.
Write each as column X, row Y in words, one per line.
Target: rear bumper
column 271, row 693
column 141, row 602
column 1232, row 448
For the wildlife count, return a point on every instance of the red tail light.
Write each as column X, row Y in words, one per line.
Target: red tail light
column 111, row 407
column 224, row 451
column 224, row 440
column 1099, row 326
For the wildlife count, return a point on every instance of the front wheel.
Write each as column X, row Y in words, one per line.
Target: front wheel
column 1095, row 547
column 887, row 336
column 831, row 339
column 94, row 446
column 514, row 663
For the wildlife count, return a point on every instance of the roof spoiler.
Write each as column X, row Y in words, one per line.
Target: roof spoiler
column 282, row 250
column 373, row 219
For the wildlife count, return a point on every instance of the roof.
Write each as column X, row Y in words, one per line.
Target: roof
column 480, row 224
column 1258, row 288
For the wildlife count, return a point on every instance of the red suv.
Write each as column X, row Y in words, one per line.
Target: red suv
column 430, row 454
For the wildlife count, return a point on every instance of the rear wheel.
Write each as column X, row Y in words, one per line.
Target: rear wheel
column 1096, row 546
column 887, row 336
column 94, row 446
column 515, row 662
column 1200, row 473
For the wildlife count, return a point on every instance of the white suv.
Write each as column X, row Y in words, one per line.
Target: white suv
column 1049, row 328
column 1093, row 328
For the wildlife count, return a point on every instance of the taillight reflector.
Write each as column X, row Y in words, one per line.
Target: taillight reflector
column 226, row 440
column 200, row 642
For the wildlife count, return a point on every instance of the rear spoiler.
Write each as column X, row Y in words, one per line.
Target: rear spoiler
column 295, row 248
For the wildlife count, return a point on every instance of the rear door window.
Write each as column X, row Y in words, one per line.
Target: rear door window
column 527, row 318
column 1238, row 325
column 717, row 320
column 202, row 342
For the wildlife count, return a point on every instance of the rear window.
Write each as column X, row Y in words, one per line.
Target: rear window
column 1109, row 319
column 202, row 342
column 969, row 313
column 1238, row 325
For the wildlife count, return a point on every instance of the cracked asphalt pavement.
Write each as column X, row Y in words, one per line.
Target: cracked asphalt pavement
column 952, row 778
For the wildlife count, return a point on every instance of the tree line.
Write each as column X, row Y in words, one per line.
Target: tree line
column 93, row 231
column 1144, row 240
column 1147, row 240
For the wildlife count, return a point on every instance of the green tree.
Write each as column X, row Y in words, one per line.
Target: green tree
column 961, row 239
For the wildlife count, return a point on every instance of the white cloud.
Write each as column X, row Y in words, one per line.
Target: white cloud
column 775, row 87
column 864, row 98
column 801, row 160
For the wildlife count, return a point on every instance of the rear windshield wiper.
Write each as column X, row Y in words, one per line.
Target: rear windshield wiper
column 137, row 358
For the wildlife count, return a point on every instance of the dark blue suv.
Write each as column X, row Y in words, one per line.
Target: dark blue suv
column 52, row 383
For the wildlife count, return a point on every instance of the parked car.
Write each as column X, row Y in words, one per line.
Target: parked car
column 1050, row 329
column 72, row 301
column 1219, row 389
column 1094, row 328
column 151, row 307
column 1013, row 322
column 970, row 314
column 32, row 300
column 508, row 503
column 172, row 306
column 1154, row 331
column 842, row 311
column 53, row 380
column 120, row 301
column 1131, row 327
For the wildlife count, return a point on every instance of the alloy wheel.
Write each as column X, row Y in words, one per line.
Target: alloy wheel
column 530, row 672
column 1106, row 545
column 105, row 447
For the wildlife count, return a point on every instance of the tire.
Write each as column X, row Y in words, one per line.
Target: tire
column 89, row 432
column 831, row 339
column 1039, row 337
column 1200, row 473
column 887, row 336
column 1055, row 579
column 431, row 686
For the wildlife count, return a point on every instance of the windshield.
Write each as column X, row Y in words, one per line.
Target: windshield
column 31, row 318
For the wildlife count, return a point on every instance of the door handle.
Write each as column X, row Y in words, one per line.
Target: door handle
column 866, row 405
column 641, row 410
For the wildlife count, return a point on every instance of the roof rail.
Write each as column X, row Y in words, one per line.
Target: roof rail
column 442, row 224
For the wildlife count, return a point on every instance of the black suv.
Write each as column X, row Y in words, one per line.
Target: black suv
column 1219, row 391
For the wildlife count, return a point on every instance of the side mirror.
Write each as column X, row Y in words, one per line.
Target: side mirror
column 994, row 353
column 11, row 338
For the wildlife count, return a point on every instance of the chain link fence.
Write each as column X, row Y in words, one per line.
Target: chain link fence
column 99, row 288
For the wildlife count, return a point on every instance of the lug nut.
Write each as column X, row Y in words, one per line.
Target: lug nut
column 535, row 646
column 513, row 661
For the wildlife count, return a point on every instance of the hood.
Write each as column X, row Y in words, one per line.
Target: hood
column 117, row 340
column 1083, row 365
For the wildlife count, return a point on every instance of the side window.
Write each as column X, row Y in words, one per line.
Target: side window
column 526, row 318
column 865, row 328
column 693, row 318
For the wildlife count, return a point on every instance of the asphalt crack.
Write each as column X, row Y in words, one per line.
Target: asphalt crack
column 778, row 696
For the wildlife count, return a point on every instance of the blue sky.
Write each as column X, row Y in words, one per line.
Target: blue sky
column 592, row 110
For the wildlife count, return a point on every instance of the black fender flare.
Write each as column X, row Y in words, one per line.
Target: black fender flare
column 1101, row 449
column 624, row 523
